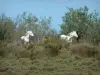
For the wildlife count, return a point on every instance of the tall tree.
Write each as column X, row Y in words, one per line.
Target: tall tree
column 7, row 27
column 87, row 24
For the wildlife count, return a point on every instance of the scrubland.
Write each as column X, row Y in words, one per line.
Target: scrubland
column 53, row 57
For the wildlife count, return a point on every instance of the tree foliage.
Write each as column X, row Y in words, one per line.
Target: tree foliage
column 87, row 24
column 41, row 26
column 7, row 27
column 15, row 28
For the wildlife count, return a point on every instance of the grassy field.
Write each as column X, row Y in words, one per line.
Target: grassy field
column 49, row 59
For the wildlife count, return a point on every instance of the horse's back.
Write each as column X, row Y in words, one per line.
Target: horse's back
column 63, row 36
column 22, row 37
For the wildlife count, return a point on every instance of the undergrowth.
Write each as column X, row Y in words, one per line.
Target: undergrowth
column 53, row 57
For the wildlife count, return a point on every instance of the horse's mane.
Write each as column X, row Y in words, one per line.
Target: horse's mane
column 70, row 33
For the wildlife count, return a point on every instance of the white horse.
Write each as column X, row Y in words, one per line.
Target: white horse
column 26, row 37
column 68, row 37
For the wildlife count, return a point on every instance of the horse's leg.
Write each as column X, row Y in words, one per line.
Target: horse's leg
column 28, row 43
column 78, row 39
column 24, row 42
column 70, row 42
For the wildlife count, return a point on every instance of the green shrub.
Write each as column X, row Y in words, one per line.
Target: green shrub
column 98, row 54
column 3, row 51
column 53, row 45
column 10, row 50
column 3, row 43
column 55, row 40
column 84, row 50
column 30, row 46
column 49, row 40
column 97, row 40
column 53, row 48
column 37, row 52
column 24, row 54
column 63, row 44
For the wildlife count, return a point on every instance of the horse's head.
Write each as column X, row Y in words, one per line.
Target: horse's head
column 74, row 33
column 30, row 33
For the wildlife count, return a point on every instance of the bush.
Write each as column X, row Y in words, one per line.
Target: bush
column 3, row 49
column 64, row 44
column 3, row 52
column 55, row 40
column 10, row 50
column 98, row 54
column 84, row 50
column 30, row 46
column 53, row 45
column 3, row 43
column 53, row 48
column 37, row 52
column 97, row 40
column 49, row 39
